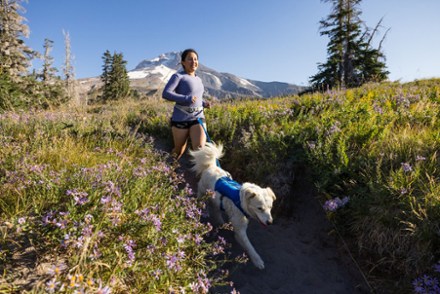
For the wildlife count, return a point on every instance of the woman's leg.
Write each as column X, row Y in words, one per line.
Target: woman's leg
column 197, row 135
column 180, row 137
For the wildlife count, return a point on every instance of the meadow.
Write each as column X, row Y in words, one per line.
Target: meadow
column 91, row 205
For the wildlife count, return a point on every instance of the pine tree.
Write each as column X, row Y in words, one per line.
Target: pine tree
column 15, row 56
column 351, row 59
column 119, row 77
column 115, row 77
column 106, row 70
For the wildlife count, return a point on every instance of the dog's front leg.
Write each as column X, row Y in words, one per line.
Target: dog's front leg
column 240, row 227
column 215, row 213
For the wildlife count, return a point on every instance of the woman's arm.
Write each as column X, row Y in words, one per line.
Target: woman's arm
column 169, row 92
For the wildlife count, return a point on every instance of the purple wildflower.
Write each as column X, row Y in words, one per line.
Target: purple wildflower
column 311, row 145
column 52, row 285
column 403, row 191
column 79, row 197
column 157, row 273
column 56, row 270
column 437, row 267
column 112, row 189
column 333, row 204
column 106, row 199
column 128, row 246
column 103, row 290
column 406, row 167
column 420, row 158
column 173, row 262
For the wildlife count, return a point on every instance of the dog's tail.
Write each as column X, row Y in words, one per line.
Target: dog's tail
column 206, row 157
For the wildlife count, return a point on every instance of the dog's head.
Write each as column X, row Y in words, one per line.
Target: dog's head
column 258, row 202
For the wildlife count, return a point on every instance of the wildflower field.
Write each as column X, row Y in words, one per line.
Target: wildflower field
column 89, row 205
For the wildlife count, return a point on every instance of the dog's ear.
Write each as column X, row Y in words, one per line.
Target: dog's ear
column 249, row 194
column 271, row 193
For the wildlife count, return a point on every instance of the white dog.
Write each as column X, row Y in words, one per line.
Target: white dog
column 238, row 201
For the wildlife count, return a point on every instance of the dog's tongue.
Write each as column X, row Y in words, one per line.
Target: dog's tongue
column 262, row 224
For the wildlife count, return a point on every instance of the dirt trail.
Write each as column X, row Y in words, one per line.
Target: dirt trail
column 301, row 254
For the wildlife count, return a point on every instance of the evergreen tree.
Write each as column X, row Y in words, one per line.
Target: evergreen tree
column 351, row 58
column 106, row 69
column 49, row 71
column 115, row 77
column 15, row 56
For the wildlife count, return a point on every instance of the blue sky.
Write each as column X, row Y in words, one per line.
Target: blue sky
column 256, row 39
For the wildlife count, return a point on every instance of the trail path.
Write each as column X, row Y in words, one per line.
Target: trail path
column 301, row 254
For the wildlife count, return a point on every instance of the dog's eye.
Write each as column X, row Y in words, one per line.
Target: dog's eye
column 260, row 208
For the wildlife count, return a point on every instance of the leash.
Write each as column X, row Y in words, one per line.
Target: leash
column 204, row 129
column 208, row 139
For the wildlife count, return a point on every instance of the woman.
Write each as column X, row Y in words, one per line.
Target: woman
column 186, row 89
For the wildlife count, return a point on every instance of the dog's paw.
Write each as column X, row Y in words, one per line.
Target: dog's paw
column 259, row 263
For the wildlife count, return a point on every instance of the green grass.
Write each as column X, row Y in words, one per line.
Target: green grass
column 99, row 204
column 377, row 145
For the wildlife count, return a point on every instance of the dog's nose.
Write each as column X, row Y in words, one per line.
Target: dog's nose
column 269, row 222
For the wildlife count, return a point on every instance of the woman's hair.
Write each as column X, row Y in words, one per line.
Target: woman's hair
column 186, row 52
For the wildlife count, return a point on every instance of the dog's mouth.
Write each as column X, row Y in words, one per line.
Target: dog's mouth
column 264, row 224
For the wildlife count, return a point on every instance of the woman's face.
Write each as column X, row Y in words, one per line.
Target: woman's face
column 190, row 63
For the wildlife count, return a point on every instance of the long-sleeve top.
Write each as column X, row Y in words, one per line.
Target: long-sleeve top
column 181, row 88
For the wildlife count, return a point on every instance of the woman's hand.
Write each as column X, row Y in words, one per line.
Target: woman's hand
column 207, row 104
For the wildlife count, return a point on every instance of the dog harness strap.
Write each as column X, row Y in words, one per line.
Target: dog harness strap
column 231, row 189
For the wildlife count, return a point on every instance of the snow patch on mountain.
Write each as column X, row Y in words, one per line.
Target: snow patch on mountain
column 215, row 80
column 164, row 72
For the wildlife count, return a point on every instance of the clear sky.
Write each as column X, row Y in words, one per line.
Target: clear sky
column 265, row 40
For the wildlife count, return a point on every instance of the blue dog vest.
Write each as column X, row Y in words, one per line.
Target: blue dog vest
column 229, row 188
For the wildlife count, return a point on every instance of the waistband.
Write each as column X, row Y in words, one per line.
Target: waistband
column 187, row 109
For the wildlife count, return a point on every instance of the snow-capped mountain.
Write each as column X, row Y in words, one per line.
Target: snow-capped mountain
column 152, row 74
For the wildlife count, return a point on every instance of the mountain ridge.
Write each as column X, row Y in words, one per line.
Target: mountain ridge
column 151, row 75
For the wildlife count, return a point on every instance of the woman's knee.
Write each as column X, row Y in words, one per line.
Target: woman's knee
column 178, row 151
